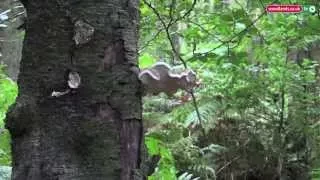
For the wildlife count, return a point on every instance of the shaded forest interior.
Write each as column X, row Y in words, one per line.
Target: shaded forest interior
column 230, row 91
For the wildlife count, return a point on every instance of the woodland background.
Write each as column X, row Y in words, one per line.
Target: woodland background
column 257, row 109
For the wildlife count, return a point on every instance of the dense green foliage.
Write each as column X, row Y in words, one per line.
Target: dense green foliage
column 259, row 103
column 8, row 93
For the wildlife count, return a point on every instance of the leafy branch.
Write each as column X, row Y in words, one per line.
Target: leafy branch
column 238, row 35
column 167, row 31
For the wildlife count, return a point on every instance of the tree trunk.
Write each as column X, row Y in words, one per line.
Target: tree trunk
column 177, row 43
column 95, row 131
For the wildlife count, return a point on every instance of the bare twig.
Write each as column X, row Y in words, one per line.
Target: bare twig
column 238, row 35
column 227, row 164
column 152, row 39
column 206, row 31
column 166, row 27
column 175, row 51
column 185, row 14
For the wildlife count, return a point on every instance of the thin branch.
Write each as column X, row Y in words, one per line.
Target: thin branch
column 152, row 39
column 172, row 5
column 259, row 33
column 185, row 14
column 227, row 164
column 166, row 27
column 176, row 53
column 195, row 104
column 234, row 159
column 233, row 37
column 283, row 94
column 194, row 46
column 206, row 31
column 202, row 28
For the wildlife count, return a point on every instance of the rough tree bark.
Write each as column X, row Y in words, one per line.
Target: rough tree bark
column 94, row 132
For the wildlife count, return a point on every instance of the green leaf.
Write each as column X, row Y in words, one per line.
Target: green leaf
column 146, row 60
column 166, row 168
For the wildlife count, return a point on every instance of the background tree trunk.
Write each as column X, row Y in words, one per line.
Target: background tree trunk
column 94, row 132
column 11, row 37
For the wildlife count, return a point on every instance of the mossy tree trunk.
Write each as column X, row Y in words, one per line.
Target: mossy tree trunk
column 94, row 132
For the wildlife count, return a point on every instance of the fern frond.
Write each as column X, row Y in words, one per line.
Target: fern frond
column 187, row 176
column 204, row 169
column 213, row 148
column 207, row 112
column 185, row 142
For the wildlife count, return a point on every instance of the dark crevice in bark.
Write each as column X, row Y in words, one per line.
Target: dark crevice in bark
column 130, row 135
